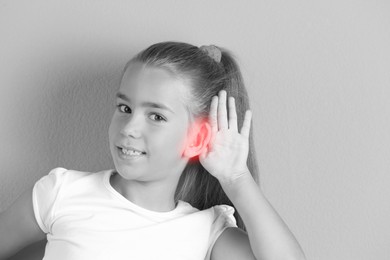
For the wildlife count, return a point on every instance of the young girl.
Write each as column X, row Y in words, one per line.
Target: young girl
column 181, row 143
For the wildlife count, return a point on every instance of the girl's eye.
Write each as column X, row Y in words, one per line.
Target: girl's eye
column 157, row 117
column 124, row 108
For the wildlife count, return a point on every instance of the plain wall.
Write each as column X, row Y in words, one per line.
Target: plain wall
column 317, row 73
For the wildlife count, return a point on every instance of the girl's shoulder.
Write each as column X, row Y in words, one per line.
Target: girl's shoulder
column 60, row 176
column 219, row 216
column 54, row 190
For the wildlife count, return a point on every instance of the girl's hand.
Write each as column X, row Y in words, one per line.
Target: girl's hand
column 226, row 155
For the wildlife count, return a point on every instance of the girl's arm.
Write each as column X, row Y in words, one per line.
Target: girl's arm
column 226, row 159
column 269, row 237
column 18, row 227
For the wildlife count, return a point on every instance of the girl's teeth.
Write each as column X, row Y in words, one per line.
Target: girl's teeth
column 130, row 152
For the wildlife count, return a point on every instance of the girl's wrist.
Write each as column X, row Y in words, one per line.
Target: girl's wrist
column 237, row 181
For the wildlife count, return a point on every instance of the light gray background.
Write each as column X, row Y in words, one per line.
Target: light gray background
column 317, row 72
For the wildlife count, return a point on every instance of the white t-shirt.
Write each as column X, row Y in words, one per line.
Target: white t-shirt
column 85, row 218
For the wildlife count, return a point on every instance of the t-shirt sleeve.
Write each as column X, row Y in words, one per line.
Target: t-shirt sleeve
column 45, row 194
column 223, row 218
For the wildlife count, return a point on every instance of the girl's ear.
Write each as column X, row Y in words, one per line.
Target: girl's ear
column 198, row 139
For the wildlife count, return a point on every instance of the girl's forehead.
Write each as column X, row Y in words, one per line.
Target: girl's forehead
column 142, row 83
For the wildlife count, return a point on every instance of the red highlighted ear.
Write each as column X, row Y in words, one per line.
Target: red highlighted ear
column 198, row 139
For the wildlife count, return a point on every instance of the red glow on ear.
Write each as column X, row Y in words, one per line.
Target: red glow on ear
column 197, row 140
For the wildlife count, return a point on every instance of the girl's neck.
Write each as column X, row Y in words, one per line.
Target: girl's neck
column 153, row 196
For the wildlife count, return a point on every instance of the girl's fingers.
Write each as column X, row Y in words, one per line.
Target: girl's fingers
column 246, row 125
column 219, row 116
column 232, row 114
column 213, row 116
column 213, row 119
column 222, row 111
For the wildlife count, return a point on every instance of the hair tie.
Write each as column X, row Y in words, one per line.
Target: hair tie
column 212, row 51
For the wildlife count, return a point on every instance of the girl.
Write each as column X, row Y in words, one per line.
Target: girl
column 181, row 163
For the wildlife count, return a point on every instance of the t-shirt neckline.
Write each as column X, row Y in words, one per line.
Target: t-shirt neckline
column 179, row 207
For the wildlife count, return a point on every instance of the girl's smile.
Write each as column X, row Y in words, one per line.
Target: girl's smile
column 129, row 154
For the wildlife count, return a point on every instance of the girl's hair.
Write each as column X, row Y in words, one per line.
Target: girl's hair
column 206, row 77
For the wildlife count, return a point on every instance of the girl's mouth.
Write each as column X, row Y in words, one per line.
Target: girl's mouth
column 129, row 153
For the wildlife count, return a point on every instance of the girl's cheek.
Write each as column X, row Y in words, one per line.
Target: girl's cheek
column 178, row 141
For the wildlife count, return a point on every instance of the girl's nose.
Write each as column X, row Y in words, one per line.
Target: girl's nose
column 132, row 127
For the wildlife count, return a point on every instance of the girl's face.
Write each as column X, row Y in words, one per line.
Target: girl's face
column 151, row 119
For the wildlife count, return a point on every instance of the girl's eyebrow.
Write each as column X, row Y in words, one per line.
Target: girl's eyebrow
column 145, row 104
